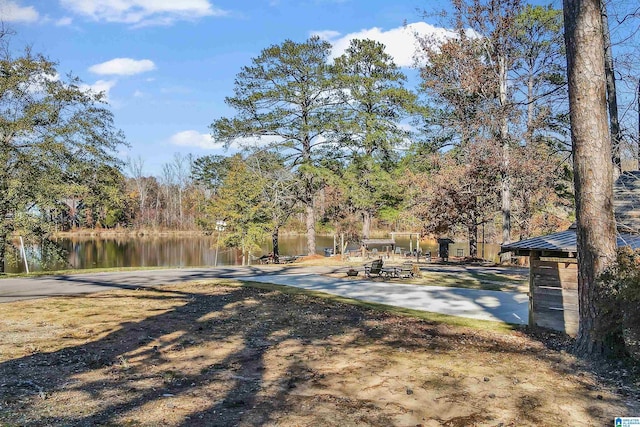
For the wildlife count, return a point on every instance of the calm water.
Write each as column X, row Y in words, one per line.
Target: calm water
column 85, row 253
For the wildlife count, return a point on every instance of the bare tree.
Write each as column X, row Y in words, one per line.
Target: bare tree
column 490, row 26
column 182, row 173
column 136, row 169
column 592, row 164
column 168, row 184
column 612, row 97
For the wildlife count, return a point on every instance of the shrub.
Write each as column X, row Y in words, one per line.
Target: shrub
column 620, row 299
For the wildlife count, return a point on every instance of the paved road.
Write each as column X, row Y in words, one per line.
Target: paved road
column 510, row 307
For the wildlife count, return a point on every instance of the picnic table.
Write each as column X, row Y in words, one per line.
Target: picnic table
column 376, row 268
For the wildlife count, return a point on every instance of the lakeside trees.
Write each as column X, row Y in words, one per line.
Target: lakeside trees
column 342, row 134
column 499, row 80
column 285, row 101
column 350, row 158
column 54, row 138
column 374, row 102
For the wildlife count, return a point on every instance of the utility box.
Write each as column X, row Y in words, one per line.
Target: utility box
column 443, row 248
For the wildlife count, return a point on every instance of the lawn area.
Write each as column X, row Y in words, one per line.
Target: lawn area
column 222, row 353
column 492, row 278
column 507, row 280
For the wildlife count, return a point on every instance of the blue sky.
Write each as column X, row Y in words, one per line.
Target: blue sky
column 167, row 65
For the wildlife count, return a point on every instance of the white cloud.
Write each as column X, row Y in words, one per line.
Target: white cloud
column 326, row 34
column 100, row 86
column 11, row 11
column 400, row 42
column 143, row 12
column 63, row 22
column 138, row 94
column 192, row 138
column 123, row 67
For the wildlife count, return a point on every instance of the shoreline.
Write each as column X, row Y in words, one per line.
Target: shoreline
column 127, row 233
column 101, row 233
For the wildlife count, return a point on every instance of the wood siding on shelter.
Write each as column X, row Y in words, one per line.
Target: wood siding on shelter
column 553, row 297
column 626, row 202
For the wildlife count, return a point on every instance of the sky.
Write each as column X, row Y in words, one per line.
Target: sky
column 166, row 66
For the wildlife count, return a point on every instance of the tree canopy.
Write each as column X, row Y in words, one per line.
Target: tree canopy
column 53, row 137
column 285, row 100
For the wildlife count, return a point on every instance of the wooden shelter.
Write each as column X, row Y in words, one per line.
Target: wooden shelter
column 553, row 266
column 387, row 246
column 626, row 202
column 553, row 277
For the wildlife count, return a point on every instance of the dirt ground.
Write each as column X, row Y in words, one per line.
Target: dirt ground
column 221, row 354
column 492, row 278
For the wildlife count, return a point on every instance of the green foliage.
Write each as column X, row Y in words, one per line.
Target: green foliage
column 210, row 171
column 103, row 194
column 54, row 134
column 389, row 214
column 285, row 102
column 370, row 187
column 619, row 302
column 374, row 97
column 375, row 101
column 623, row 277
column 240, row 205
column 540, row 71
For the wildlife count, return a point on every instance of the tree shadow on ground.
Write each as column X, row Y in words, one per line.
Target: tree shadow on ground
column 229, row 314
column 240, row 356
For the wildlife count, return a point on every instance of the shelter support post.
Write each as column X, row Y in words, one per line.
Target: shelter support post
column 533, row 255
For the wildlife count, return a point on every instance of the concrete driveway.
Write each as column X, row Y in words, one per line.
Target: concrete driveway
column 509, row 307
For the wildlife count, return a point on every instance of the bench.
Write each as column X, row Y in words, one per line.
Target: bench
column 405, row 271
column 288, row 259
column 373, row 268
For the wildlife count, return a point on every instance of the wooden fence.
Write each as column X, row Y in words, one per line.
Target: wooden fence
column 553, row 298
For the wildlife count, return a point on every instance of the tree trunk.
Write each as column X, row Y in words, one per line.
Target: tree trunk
column 275, row 240
column 366, row 224
column 311, row 229
column 473, row 239
column 612, row 98
column 3, row 250
column 6, row 227
column 180, row 215
column 505, row 180
column 530, row 111
column 592, row 164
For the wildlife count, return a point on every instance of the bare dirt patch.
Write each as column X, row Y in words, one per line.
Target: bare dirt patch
column 221, row 354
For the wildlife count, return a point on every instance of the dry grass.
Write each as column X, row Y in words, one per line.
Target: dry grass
column 458, row 276
column 222, row 354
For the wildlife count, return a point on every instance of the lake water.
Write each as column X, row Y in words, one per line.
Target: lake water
column 174, row 251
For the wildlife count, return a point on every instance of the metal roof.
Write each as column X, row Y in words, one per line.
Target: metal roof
column 626, row 201
column 565, row 241
column 378, row 241
column 631, row 240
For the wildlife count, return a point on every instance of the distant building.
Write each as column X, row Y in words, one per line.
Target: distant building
column 553, row 272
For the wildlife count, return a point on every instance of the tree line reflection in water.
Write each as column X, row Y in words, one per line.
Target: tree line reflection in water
column 178, row 251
